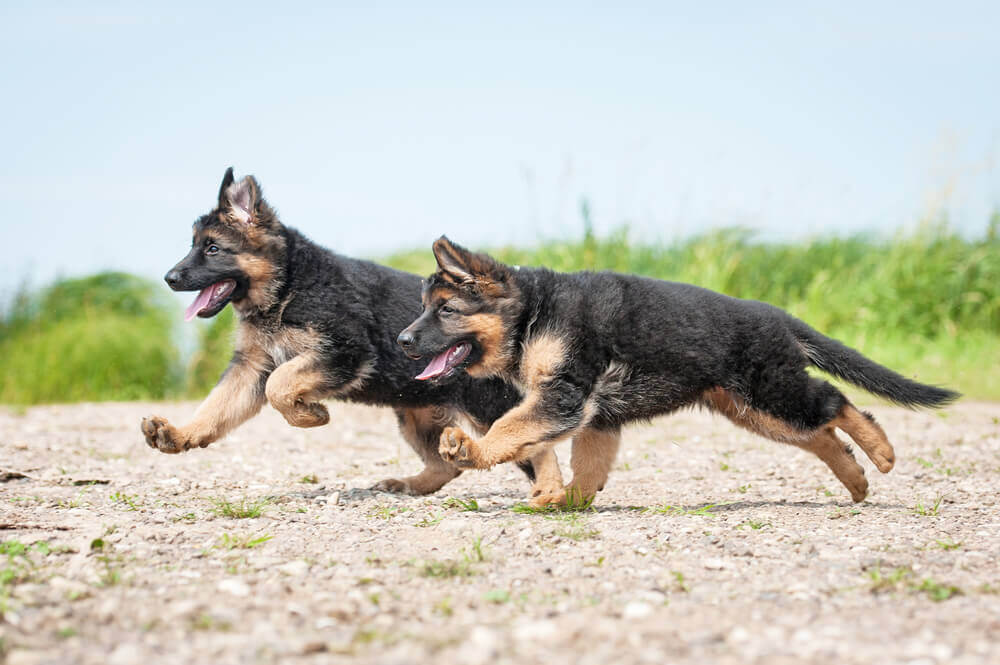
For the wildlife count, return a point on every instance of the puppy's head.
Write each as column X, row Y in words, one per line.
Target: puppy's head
column 235, row 252
column 470, row 307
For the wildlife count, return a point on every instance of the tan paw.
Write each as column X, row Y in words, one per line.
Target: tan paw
column 884, row 457
column 553, row 498
column 458, row 448
column 163, row 436
column 307, row 414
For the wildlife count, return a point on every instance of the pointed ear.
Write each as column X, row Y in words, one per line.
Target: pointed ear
column 460, row 266
column 241, row 199
column 227, row 180
column 452, row 260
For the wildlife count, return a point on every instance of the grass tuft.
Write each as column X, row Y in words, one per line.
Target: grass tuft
column 243, row 509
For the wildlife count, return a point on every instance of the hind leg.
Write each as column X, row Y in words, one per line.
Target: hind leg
column 421, row 428
column 811, row 407
column 869, row 436
column 838, row 457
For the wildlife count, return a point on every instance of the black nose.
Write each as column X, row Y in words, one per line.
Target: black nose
column 405, row 340
column 172, row 278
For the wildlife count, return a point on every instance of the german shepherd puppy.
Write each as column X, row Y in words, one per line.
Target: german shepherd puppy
column 593, row 351
column 314, row 325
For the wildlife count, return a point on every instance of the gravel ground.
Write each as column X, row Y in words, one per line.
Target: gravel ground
column 708, row 545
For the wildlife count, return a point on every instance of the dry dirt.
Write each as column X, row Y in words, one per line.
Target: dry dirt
column 709, row 545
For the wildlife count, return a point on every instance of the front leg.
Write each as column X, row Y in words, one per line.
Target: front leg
column 237, row 397
column 296, row 387
column 548, row 413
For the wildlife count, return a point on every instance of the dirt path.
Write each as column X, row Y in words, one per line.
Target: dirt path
column 780, row 568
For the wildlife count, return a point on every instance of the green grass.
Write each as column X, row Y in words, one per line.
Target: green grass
column 243, row 509
column 924, row 302
column 241, row 541
column 105, row 337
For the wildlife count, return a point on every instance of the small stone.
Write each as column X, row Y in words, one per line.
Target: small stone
column 234, row 586
column 294, row 568
column 125, row 654
column 637, row 610
column 480, row 648
column 534, row 630
column 738, row 634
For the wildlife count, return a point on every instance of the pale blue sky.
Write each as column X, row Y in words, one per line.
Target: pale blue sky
column 380, row 126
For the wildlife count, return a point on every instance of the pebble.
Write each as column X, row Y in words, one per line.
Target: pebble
column 234, row 586
column 637, row 610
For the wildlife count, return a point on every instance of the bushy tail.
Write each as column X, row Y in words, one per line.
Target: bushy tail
column 842, row 361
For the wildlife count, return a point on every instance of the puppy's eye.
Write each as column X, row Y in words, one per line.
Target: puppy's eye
column 212, row 249
column 447, row 309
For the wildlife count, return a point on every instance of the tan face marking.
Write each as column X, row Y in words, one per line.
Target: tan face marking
column 260, row 272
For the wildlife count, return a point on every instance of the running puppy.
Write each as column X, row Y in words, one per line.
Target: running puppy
column 592, row 352
column 314, row 325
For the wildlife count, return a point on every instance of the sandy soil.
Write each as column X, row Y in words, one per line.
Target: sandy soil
column 709, row 545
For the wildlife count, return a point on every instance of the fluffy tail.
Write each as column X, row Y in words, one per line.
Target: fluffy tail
column 842, row 361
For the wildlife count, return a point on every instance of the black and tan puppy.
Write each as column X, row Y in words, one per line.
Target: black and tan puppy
column 314, row 325
column 591, row 352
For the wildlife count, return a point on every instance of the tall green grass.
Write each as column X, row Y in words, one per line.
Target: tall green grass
column 926, row 303
column 104, row 337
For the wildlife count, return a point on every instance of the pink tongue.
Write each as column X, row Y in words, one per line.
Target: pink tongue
column 199, row 303
column 436, row 367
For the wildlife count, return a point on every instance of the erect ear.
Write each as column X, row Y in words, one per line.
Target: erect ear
column 461, row 266
column 241, row 198
column 227, row 180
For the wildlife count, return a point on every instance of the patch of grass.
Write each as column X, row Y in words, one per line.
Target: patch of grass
column 575, row 503
column 241, row 541
column 17, row 565
column 130, row 501
column 387, row 512
column 443, row 607
column 901, row 579
column 937, row 591
column 430, row 520
column 447, row 568
column 463, row 567
column 244, row 508
column 679, row 581
column 205, row 621
column 470, row 505
column 476, row 552
column 881, row 582
column 928, row 511
column 310, row 479
column 947, row 544
column 498, row 596
column 754, row 524
column 702, row 511
column 742, row 489
column 575, row 528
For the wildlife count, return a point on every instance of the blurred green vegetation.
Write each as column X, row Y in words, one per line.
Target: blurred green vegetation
column 104, row 337
column 925, row 302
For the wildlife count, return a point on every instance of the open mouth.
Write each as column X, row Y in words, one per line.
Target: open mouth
column 445, row 363
column 211, row 300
